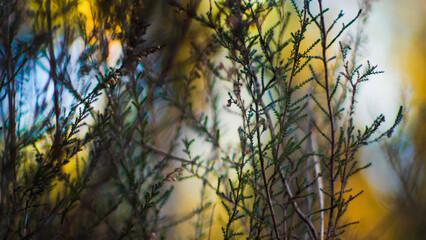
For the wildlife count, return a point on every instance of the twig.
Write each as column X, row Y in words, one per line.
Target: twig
column 157, row 150
column 320, row 183
column 330, row 116
column 298, row 211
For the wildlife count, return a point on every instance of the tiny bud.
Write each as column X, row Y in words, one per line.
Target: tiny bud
column 389, row 133
column 229, row 103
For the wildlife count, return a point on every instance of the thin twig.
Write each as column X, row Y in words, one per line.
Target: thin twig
column 299, row 212
column 320, row 183
column 330, row 117
column 157, row 150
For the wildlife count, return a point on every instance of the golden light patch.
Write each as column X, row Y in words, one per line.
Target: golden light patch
column 85, row 9
column 417, row 71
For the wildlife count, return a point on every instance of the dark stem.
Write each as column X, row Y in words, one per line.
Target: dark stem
column 262, row 165
column 54, row 77
column 330, row 118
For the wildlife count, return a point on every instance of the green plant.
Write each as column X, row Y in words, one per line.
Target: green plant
column 296, row 137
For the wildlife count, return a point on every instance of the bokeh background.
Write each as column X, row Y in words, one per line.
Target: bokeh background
column 393, row 205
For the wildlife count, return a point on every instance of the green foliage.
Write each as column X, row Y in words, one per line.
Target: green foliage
column 123, row 126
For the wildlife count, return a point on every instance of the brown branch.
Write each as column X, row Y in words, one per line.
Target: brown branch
column 299, row 212
column 330, row 117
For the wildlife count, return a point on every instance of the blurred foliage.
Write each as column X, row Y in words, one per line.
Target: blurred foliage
column 92, row 145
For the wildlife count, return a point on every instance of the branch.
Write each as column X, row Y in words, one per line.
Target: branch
column 298, row 211
column 159, row 151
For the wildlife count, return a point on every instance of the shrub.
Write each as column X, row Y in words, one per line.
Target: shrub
column 121, row 127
